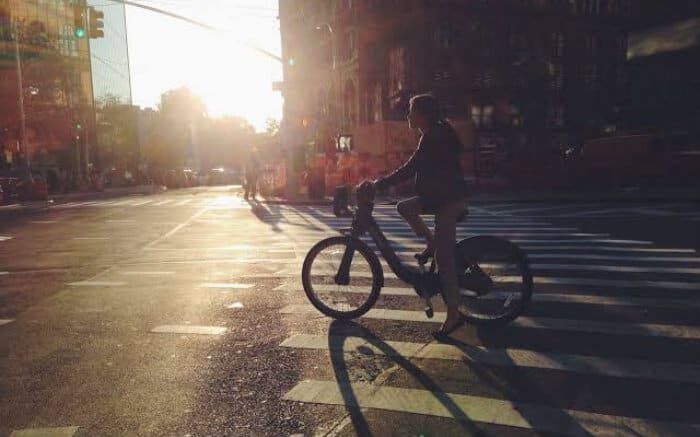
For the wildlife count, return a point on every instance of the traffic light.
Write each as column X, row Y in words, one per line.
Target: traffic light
column 96, row 23
column 79, row 22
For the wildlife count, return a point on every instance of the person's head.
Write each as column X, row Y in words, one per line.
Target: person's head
column 423, row 112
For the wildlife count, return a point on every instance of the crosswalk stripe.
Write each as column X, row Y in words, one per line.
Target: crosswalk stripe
column 546, row 280
column 588, row 326
column 534, row 266
column 622, row 368
column 141, row 203
column 615, row 257
column 481, row 409
column 67, row 431
column 97, row 284
column 189, row 329
column 536, row 297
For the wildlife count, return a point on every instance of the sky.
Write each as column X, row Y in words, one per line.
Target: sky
column 233, row 79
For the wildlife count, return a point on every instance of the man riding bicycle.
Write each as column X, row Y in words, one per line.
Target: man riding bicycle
column 440, row 189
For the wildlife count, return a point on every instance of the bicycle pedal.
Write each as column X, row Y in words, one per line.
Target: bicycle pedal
column 429, row 312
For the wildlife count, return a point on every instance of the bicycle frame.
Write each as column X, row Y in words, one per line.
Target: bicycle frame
column 364, row 222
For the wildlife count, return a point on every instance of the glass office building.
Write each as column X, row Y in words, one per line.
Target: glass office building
column 56, row 77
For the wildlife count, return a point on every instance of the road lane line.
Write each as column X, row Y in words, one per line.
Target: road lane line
column 147, row 273
column 97, row 284
column 189, row 329
column 90, row 238
column 510, row 357
column 44, row 222
column 175, row 229
column 2, row 238
column 6, row 321
column 141, row 203
column 234, row 285
column 163, row 202
column 45, row 432
column 481, row 409
column 183, row 202
column 587, row 326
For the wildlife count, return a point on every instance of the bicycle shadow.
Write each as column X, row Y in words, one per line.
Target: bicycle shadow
column 338, row 331
column 476, row 360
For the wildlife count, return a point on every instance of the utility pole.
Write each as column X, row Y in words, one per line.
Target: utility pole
column 20, row 91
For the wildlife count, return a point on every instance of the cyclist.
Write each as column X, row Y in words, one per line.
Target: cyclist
column 440, row 189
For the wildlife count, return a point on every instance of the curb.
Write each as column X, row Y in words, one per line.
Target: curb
column 33, row 207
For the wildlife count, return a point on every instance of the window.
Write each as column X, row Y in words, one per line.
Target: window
column 590, row 76
column 555, row 115
column 516, row 118
column 558, row 44
column 591, row 45
column 556, row 77
column 398, row 69
column 482, row 115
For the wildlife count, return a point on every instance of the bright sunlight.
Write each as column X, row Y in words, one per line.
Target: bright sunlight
column 231, row 78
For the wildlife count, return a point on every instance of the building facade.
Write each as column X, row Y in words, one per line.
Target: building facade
column 60, row 60
column 525, row 75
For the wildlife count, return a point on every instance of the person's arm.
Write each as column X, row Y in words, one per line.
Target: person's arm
column 400, row 174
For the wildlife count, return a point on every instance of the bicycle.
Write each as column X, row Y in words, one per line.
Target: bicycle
column 495, row 280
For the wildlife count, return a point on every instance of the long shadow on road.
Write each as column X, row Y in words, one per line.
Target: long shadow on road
column 336, row 337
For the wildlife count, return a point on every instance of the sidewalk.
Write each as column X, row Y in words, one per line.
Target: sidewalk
column 624, row 195
column 30, row 207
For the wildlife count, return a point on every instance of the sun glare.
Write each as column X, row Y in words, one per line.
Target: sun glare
column 231, row 78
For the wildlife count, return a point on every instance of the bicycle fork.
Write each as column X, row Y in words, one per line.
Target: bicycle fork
column 343, row 275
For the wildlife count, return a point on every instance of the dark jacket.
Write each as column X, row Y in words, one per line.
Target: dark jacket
column 436, row 165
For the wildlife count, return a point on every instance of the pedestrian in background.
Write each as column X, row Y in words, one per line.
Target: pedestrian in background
column 252, row 171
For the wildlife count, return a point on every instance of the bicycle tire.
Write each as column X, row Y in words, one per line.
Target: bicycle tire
column 472, row 248
column 377, row 279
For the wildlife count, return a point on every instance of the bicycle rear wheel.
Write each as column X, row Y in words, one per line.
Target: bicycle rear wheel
column 495, row 280
column 350, row 295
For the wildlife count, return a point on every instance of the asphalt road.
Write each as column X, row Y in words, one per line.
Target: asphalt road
column 181, row 314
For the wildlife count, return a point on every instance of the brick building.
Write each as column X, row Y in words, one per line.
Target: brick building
column 523, row 75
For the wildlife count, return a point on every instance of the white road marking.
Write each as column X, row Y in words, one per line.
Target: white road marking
column 539, row 279
column 608, row 268
column 589, row 299
column 45, row 432
column 194, row 217
column 121, row 221
column 122, row 202
column 4, row 273
column 481, row 409
column 225, row 285
column 621, row 368
column 189, row 329
column 163, row 202
column 635, row 258
column 6, row 321
column 588, row 326
column 44, row 222
column 142, row 202
column 147, row 273
column 5, row 238
column 184, row 202
column 97, row 284
column 91, row 238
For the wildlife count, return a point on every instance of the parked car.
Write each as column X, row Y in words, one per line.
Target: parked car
column 633, row 160
column 223, row 176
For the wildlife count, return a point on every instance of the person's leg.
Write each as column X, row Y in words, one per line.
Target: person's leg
column 254, row 186
column 410, row 210
column 445, row 236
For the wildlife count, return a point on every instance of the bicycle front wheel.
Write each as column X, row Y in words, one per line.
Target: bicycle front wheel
column 342, row 277
column 495, row 280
